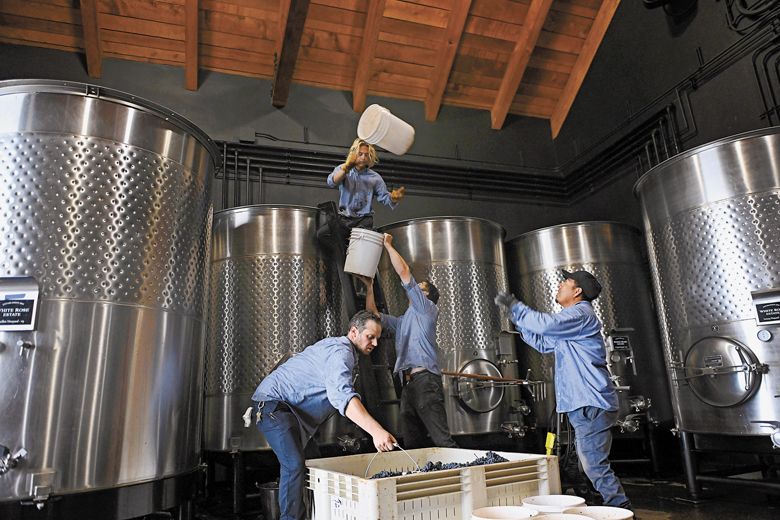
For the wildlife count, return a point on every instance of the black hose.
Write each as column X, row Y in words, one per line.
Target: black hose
column 757, row 9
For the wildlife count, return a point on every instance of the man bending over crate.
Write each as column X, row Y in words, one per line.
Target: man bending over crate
column 417, row 357
column 294, row 399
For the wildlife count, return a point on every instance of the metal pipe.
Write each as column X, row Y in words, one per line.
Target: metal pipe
column 770, row 486
column 260, row 184
column 655, row 145
column 673, row 127
column 224, row 177
column 236, row 185
column 248, row 187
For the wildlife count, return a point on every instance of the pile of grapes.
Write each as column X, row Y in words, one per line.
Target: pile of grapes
column 489, row 458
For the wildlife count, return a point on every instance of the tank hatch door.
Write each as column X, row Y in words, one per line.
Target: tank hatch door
column 722, row 372
column 480, row 396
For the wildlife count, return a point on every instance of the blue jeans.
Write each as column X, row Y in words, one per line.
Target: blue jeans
column 593, row 439
column 281, row 430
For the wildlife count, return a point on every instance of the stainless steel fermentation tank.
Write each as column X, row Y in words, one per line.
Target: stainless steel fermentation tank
column 464, row 258
column 106, row 216
column 712, row 217
column 613, row 252
column 272, row 294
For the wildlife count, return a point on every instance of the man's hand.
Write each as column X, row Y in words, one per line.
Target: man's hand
column 383, row 441
column 347, row 166
column 397, row 194
column 388, row 239
column 505, row 300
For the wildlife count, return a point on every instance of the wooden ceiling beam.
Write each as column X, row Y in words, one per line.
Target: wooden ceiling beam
column 191, row 42
column 376, row 9
column 292, row 21
column 518, row 61
column 583, row 63
column 91, row 30
column 441, row 73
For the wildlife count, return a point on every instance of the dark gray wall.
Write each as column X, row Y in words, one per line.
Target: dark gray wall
column 645, row 55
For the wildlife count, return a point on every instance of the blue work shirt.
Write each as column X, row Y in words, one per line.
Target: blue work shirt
column 574, row 336
column 415, row 332
column 313, row 383
column 357, row 191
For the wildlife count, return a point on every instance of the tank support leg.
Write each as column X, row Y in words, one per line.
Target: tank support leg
column 238, row 482
column 184, row 510
column 689, row 463
column 652, row 444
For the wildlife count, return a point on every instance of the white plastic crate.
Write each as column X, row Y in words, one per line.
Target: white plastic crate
column 341, row 491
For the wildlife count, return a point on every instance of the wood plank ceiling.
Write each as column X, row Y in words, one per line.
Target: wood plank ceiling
column 522, row 57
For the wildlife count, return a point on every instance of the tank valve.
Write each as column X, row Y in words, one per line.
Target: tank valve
column 630, row 425
column 774, row 436
column 24, row 347
column 639, row 403
column 514, row 430
column 8, row 461
column 520, row 407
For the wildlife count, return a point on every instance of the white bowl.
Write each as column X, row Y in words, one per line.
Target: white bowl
column 503, row 513
column 553, row 503
column 560, row 516
column 602, row 512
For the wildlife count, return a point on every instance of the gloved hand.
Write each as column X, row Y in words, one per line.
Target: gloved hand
column 505, row 300
column 397, row 194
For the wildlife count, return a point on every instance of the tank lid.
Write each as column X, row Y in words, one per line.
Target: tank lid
column 258, row 208
column 589, row 223
column 408, row 222
column 31, row 86
column 702, row 148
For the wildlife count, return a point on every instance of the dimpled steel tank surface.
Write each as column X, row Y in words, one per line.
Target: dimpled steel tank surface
column 613, row 252
column 712, row 220
column 464, row 258
column 272, row 295
column 105, row 204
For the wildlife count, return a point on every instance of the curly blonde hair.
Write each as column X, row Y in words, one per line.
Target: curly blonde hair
column 373, row 158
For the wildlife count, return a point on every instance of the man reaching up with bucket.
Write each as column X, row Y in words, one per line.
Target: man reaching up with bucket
column 358, row 185
column 417, row 357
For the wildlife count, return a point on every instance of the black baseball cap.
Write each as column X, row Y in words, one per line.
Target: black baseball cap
column 591, row 288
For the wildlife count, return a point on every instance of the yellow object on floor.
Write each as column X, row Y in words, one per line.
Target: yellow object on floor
column 549, row 442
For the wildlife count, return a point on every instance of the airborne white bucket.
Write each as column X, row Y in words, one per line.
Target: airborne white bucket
column 364, row 252
column 379, row 126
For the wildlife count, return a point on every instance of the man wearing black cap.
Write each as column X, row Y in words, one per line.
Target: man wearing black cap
column 583, row 388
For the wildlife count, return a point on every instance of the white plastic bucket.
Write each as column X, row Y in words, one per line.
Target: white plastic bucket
column 364, row 252
column 503, row 513
column 553, row 503
column 602, row 512
column 379, row 126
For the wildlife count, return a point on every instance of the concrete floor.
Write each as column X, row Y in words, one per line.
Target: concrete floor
column 668, row 500
column 652, row 500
